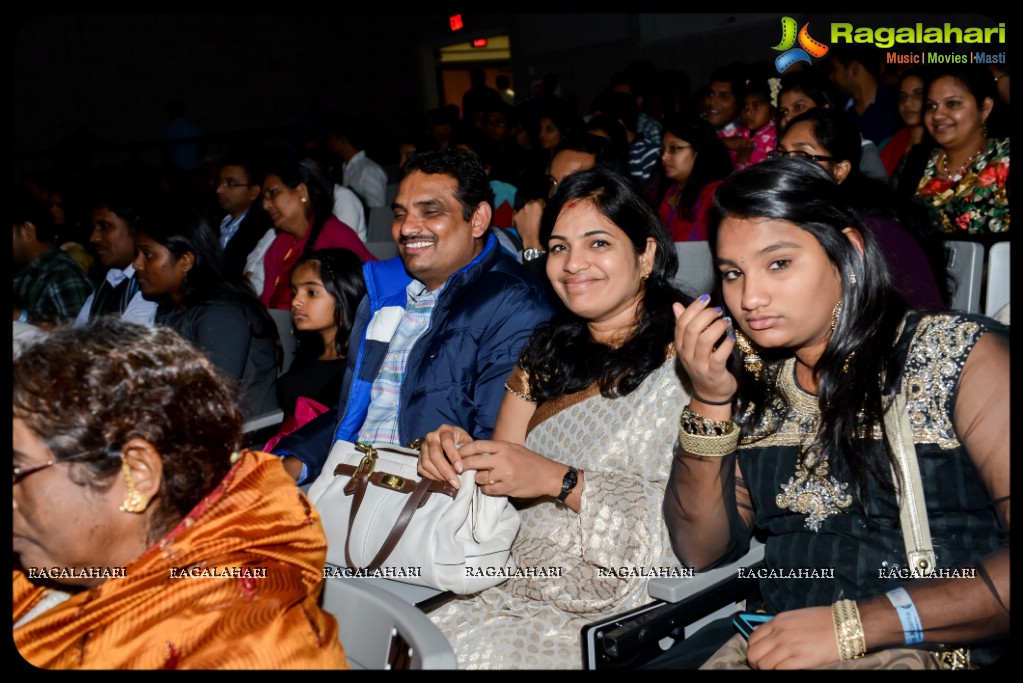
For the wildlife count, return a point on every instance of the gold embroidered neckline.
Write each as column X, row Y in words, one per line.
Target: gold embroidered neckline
column 800, row 399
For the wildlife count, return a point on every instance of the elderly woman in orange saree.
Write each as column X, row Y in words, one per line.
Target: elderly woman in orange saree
column 143, row 538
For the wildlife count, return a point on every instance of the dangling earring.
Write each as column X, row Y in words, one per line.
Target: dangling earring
column 135, row 502
column 835, row 312
column 750, row 358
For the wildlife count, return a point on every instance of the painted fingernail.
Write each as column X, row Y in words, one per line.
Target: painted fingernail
column 727, row 319
column 731, row 334
column 704, row 298
column 455, row 482
column 458, row 467
column 718, row 309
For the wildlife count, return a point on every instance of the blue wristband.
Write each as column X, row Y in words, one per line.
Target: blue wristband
column 911, row 626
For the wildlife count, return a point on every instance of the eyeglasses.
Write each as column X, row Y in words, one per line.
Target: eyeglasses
column 21, row 472
column 674, row 149
column 272, row 192
column 797, row 153
column 231, row 184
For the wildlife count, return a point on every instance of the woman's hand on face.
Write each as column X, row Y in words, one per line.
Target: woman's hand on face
column 703, row 343
column 439, row 457
column 797, row 639
column 508, row 469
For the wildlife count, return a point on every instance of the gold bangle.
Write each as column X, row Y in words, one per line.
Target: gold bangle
column 690, row 422
column 709, row 446
column 849, row 636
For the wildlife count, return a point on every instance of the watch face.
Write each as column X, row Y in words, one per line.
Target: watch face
column 570, row 480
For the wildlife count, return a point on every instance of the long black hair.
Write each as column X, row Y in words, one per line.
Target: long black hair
column 561, row 356
column 340, row 270
column 861, row 348
column 181, row 229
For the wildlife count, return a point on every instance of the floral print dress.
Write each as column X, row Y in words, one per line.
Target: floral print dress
column 977, row 201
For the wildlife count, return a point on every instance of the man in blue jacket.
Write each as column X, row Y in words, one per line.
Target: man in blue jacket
column 441, row 326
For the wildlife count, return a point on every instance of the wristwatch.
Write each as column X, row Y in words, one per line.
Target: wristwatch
column 568, row 483
column 532, row 254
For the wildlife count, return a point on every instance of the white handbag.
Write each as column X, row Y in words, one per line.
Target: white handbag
column 381, row 517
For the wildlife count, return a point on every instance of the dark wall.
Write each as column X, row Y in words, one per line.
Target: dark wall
column 110, row 76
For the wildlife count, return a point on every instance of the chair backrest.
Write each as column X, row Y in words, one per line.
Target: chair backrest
column 383, row 250
column 379, row 630
column 997, row 280
column 391, row 192
column 282, row 318
column 695, row 267
column 378, row 226
column 966, row 266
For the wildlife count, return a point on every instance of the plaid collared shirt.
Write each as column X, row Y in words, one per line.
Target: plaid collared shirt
column 53, row 288
column 381, row 424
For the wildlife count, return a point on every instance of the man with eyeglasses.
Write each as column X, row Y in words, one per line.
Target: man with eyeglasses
column 239, row 185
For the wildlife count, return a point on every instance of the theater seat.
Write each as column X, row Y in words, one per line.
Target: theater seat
column 966, row 268
column 379, row 630
column 681, row 607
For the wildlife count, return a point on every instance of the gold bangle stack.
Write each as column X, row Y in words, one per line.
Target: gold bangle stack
column 852, row 643
column 705, row 438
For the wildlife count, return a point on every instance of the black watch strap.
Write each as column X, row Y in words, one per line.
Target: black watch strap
column 568, row 483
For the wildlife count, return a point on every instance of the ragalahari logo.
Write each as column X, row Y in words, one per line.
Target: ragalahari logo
column 808, row 50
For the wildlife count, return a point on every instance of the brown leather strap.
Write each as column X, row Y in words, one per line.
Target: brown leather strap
column 393, row 482
column 358, row 485
column 361, row 476
column 416, row 500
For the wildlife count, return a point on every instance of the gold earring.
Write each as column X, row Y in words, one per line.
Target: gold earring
column 751, row 359
column 835, row 312
column 135, row 502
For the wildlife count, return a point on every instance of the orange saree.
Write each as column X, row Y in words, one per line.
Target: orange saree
column 234, row 585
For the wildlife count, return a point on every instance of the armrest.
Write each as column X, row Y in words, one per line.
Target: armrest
column 259, row 429
column 675, row 589
column 682, row 606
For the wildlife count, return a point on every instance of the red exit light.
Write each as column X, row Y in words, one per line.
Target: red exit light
column 456, row 22
column 479, row 42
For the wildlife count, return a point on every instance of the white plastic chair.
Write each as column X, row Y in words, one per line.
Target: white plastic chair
column 997, row 281
column 966, row 266
column 695, row 268
column 379, row 630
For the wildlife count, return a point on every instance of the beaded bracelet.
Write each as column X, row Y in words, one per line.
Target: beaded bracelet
column 852, row 643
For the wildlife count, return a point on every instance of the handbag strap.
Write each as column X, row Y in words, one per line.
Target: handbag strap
column 400, row 524
column 916, row 530
column 357, row 489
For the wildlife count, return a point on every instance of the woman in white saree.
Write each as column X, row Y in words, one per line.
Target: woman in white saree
column 584, row 437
